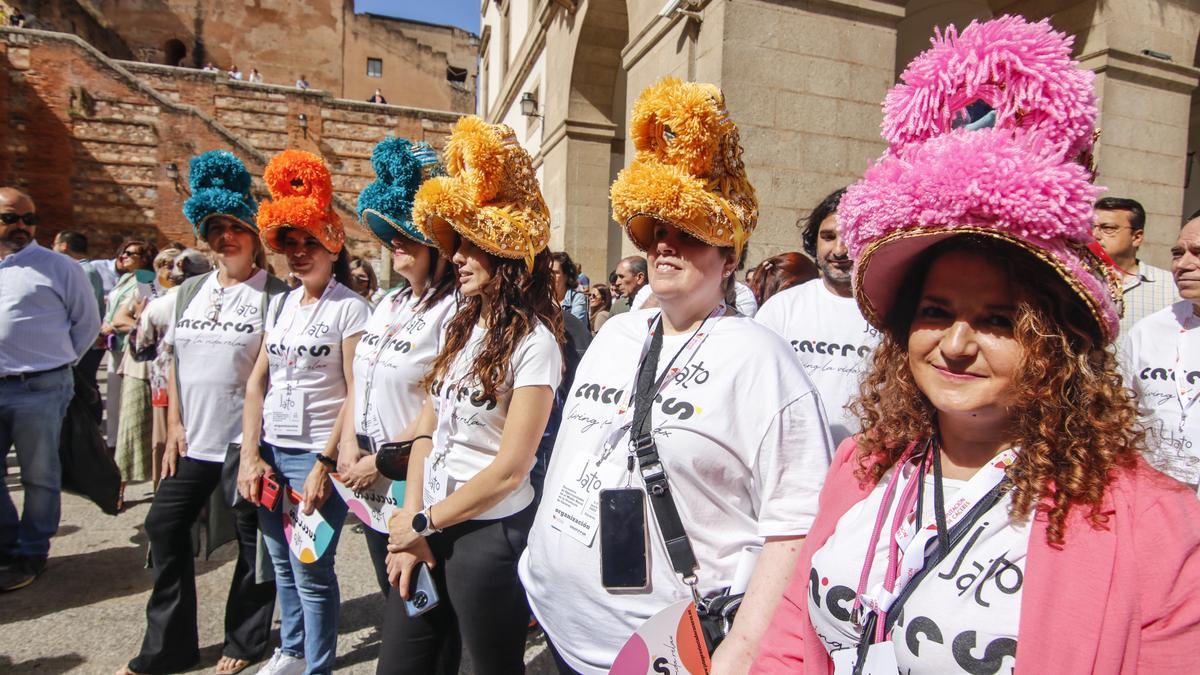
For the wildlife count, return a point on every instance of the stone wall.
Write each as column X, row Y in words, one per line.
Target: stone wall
column 324, row 40
column 93, row 140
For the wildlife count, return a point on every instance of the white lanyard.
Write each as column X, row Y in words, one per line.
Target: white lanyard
column 911, row 542
column 1188, row 392
column 405, row 316
column 623, row 419
column 288, row 352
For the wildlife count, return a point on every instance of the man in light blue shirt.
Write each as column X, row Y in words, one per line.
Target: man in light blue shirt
column 48, row 320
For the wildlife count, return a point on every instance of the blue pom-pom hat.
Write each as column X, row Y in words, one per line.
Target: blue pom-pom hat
column 385, row 206
column 220, row 186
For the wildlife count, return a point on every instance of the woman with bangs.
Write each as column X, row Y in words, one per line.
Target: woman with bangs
column 405, row 331
column 469, row 502
column 291, row 422
column 995, row 513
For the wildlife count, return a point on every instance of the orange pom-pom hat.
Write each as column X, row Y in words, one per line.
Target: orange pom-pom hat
column 688, row 169
column 490, row 195
column 302, row 199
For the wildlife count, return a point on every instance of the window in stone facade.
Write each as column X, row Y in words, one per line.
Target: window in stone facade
column 374, row 67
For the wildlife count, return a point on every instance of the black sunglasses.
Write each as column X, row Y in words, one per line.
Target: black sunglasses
column 11, row 218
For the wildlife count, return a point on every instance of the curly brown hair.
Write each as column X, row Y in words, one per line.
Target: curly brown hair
column 520, row 299
column 1074, row 421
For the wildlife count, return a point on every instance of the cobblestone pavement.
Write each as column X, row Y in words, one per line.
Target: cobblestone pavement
column 86, row 613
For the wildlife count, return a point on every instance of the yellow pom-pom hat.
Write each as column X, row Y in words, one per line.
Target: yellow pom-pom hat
column 490, row 195
column 302, row 199
column 688, row 169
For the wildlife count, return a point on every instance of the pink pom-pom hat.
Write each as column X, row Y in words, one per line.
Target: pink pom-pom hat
column 1017, row 181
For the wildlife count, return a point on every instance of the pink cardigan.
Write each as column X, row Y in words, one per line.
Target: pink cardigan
column 1124, row 599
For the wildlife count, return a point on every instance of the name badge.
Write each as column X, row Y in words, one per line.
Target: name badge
column 577, row 504
column 287, row 419
column 436, row 479
column 881, row 659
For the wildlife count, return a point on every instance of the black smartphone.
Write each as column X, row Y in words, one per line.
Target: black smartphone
column 392, row 459
column 624, row 565
column 365, row 443
column 422, row 593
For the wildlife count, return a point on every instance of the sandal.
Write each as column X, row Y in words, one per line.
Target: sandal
column 239, row 665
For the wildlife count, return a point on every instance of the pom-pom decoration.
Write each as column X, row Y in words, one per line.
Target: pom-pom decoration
column 220, row 186
column 490, row 195
column 688, row 169
column 301, row 198
column 1022, row 71
column 986, row 132
column 385, row 206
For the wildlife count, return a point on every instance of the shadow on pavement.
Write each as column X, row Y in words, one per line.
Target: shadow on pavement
column 71, row 581
column 53, row 664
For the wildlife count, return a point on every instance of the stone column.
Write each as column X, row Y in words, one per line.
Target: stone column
column 804, row 84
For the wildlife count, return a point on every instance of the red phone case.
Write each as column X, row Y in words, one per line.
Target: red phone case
column 269, row 493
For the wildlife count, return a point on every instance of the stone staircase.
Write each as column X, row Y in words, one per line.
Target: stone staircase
column 103, row 145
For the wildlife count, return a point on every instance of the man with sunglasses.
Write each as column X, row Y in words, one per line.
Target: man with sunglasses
column 48, row 320
column 1119, row 224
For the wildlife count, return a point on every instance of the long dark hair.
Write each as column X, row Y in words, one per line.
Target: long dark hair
column 442, row 279
column 341, row 269
column 520, row 299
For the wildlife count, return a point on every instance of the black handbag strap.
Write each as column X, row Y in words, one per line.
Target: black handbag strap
column 654, row 474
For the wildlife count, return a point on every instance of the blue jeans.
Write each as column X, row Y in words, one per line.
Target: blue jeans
column 31, row 419
column 308, row 593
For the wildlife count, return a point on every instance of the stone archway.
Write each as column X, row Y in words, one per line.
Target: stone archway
column 174, row 52
column 585, row 148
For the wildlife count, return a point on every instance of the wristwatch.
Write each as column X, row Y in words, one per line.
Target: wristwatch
column 329, row 462
column 422, row 524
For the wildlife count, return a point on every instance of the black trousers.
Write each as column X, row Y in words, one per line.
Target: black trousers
column 88, row 367
column 482, row 604
column 172, row 641
column 377, row 548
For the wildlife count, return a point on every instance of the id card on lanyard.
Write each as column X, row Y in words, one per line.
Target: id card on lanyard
column 287, row 418
column 369, row 420
column 576, row 507
column 907, row 547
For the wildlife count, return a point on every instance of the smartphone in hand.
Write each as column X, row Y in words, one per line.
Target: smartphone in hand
column 268, row 492
column 422, row 593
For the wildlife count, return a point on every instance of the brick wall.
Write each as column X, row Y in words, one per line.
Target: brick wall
column 91, row 139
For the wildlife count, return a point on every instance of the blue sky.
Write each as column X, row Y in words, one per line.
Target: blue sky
column 461, row 13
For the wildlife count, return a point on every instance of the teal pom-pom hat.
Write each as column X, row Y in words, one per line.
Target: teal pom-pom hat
column 220, row 186
column 385, row 206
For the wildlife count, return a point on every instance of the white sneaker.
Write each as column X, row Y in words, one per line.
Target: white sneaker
column 283, row 664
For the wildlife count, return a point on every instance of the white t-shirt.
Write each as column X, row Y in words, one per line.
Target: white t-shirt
column 215, row 360
column 1161, row 360
column 744, row 442
column 962, row 618
column 156, row 321
column 475, row 425
column 832, row 340
column 746, row 304
column 640, row 298
column 312, row 336
column 401, row 355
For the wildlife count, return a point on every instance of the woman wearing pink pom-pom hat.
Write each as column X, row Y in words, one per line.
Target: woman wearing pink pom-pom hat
column 994, row 514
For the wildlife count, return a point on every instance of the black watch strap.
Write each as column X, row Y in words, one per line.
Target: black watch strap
column 328, row 461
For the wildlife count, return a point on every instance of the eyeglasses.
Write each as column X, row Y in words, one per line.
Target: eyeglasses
column 1108, row 228
column 131, row 254
column 11, row 218
column 215, row 301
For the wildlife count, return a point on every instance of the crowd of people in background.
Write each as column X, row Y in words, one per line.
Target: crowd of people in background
column 931, row 442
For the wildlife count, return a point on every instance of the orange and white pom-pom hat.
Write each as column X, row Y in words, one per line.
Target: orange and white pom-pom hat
column 688, row 169
column 490, row 195
column 301, row 199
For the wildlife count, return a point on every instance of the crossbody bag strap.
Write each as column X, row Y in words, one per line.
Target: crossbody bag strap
column 654, row 474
